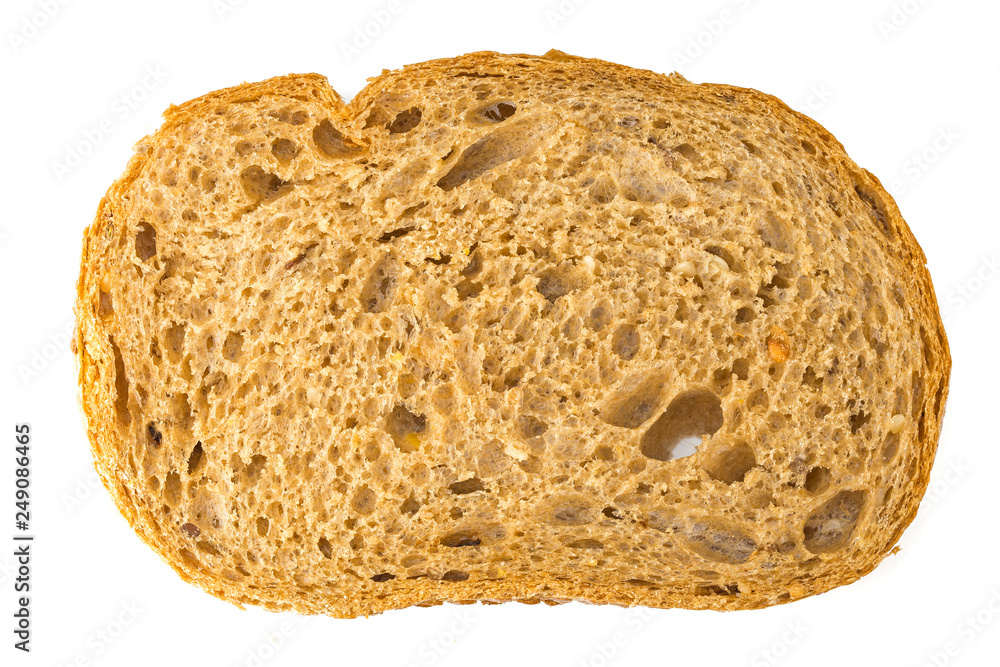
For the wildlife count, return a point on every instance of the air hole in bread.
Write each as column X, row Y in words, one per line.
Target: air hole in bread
column 232, row 347
column 567, row 510
column 468, row 289
column 405, row 121
column 758, row 400
column 859, row 419
column 599, row 316
column 876, row 208
column 586, row 543
column 208, row 182
column 634, row 404
column 605, row 453
column 287, row 115
column 741, row 368
column 831, row 526
column 529, row 426
column 643, row 583
column 555, row 283
column 153, row 436
column 625, row 341
column 121, row 386
column 463, row 538
column 776, row 233
column 817, row 479
column 688, row 152
column 174, row 342
column 720, row 542
column 499, row 111
column 105, row 306
column 261, row 186
column 331, row 142
column 380, row 287
column 195, row 459
column 612, row 513
column 325, row 548
column 383, row 577
column 811, row 379
column 439, row 260
column 395, row 234
column 145, row 241
column 172, row 489
column 244, row 148
column 253, row 470
column 405, row 427
column 409, row 506
column 679, row 430
column 717, row 589
column 263, row 526
column 922, row 425
column 364, row 500
column 284, row 149
column 471, row 485
column 208, row 548
column 508, row 142
column 808, row 147
column 745, row 314
column 180, row 409
column 732, row 464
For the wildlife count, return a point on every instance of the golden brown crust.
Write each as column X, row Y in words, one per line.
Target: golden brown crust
column 113, row 446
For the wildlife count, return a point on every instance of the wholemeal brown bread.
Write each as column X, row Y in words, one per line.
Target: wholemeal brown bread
column 507, row 327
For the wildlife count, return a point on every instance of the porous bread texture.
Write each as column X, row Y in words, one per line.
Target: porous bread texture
column 441, row 343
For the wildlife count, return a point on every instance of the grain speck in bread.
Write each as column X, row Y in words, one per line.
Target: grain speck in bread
column 458, row 340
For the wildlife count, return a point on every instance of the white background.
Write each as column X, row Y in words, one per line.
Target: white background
column 908, row 87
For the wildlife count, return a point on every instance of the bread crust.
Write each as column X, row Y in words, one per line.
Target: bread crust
column 114, row 446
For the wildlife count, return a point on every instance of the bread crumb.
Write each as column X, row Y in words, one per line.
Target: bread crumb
column 685, row 269
column 896, row 423
column 515, row 453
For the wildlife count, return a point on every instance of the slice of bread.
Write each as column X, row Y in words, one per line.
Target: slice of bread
column 507, row 327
